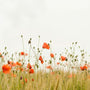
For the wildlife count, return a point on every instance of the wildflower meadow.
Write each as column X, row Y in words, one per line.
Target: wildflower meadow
column 41, row 68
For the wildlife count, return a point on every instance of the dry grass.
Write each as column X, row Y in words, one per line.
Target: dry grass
column 45, row 81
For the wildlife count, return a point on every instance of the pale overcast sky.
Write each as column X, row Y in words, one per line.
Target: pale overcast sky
column 62, row 21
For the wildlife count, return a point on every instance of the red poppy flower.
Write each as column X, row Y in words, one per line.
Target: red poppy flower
column 63, row 58
column 42, row 62
column 58, row 63
column 49, row 67
column 52, row 55
column 6, row 68
column 19, row 64
column 31, row 70
column 40, row 58
column 29, row 66
column 45, row 46
column 83, row 68
column 22, row 53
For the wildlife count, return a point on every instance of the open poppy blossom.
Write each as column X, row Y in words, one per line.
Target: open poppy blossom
column 63, row 58
column 83, row 68
column 29, row 66
column 6, row 68
column 52, row 55
column 31, row 71
column 22, row 53
column 45, row 46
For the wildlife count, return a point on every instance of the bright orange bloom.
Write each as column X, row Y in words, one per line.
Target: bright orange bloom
column 31, row 70
column 58, row 63
column 22, row 53
column 42, row 62
column 52, row 55
column 41, row 59
column 6, row 68
column 45, row 46
column 19, row 64
column 49, row 67
column 63, row 58
column 29, row 66
column 83, row 68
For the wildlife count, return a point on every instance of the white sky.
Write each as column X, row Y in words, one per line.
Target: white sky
column 62, row 21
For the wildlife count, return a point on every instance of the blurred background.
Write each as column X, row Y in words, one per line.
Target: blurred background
column 62, row 21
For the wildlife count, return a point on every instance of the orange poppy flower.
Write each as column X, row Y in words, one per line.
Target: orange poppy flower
column 22, row 53
column 58, row 63
column 41, row 59
column 31, row 71
column 52, row 55
column 19, row 64
column 63, row 58
column 42, row 62
column 45, row 46
column 29, row 66
column 83, row 68
column 6, row 68
column 49, row 67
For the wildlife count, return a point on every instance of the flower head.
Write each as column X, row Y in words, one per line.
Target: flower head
column 52, row 55
column 6, row 68
column 63, row 58
column 45, row 46
column 31, row 71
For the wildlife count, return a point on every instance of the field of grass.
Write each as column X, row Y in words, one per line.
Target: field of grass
column 58, row 80
column 32, row 71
